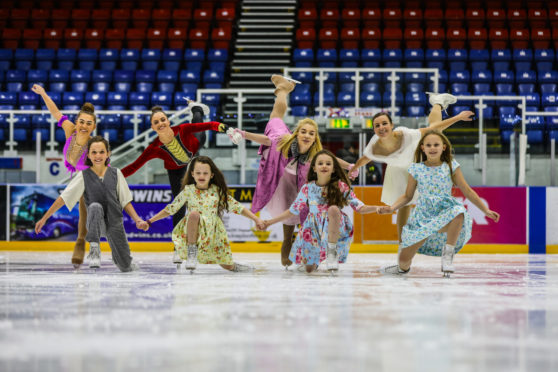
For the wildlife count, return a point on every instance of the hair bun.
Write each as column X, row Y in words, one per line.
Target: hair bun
column 88, row 108
column 155, row 109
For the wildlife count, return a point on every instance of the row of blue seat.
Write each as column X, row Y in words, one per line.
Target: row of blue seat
column 109, row 59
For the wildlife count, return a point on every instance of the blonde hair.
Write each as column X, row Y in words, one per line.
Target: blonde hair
column 286, row 141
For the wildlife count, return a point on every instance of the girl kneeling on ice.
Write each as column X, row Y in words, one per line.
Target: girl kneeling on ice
column 439, row 225
column 327, row 231
column 106, row 193
column 201, row 235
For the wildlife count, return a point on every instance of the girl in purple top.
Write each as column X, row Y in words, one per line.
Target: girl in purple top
column 284, row 164
column 75, row 154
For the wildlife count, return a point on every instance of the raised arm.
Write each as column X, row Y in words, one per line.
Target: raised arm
column 472, row 195
column 58, row 203
column 67, row 125
column 442, row 125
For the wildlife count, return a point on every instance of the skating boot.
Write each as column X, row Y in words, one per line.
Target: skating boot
column 282, row 82
column 443, row 99
column 394, row 270
column 79, row 253
column 176, row 258
column 331, row 260
column 447, row 260
column 192, row 259
column 94, row 256
column 240, row 268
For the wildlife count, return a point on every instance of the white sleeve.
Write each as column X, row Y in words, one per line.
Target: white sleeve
column 73, row 192
column 368, row 150
column 122, row 189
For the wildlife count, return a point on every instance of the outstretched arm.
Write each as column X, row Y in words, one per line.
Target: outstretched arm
column 359, row 163
column 67, row 125
column 140, row 223
column 403, row 199
column 260, row 224
column 473, row 196
column 200, row 127
column 147, row 154
column 283, row 216
column 58, row 203
column 366, row 209
column 442, row 125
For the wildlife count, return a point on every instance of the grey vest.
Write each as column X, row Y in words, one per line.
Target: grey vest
column 104, row 193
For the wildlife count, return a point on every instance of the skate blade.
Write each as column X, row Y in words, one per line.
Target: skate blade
column 292, row 80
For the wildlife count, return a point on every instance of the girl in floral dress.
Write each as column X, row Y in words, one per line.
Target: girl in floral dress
column 201, row 235
column 440, row 224
column 327, row 231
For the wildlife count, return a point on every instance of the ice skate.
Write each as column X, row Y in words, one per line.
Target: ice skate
column 176, row 258
column 447, row 260
column 394, row 270
column 331, row 260
column 79, row 253
column 192, row 259
column 94, row 256
column 442, row 99
column 192, row 104
column 282, row 82
column 241, row 268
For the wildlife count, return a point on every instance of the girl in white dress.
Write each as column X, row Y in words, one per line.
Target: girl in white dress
column 396, row 147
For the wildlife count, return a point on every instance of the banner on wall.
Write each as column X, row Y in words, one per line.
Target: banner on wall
column 510, row 202
column 3, row 211
column 28, row 203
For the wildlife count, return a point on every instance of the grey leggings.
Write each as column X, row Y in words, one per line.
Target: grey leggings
column 115, row 234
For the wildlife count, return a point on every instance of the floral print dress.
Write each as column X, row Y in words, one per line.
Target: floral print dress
column 213, row 243
column 435, row 208
column 310, row 246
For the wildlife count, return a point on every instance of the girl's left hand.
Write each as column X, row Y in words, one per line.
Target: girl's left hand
column 142, row 225
column 466, row 115
column 260, row 224
column 494, row 216
column 353, row 172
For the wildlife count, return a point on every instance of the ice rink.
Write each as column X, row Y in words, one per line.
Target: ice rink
column 496, row 313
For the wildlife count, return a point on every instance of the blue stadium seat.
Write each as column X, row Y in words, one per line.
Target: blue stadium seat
column 145, row 79
column 488, row 111
column 129, row 59
column 87, row 59
column 166, row 80
column 392, row 57
column 415, row 99
column 15, row 80
column 218, row 66
column 504, row 82
column 371, row 77
column 548, row 81
column 41, row 123
column 371, row 57
column 347, row 87
column 414, row 57
column 72, row 100
column 163, row 99
column 210, row 76
column 98, row 99
column 416, row 111
column 28, row 101
column 36, row 76
column 108, row 59
column 66, row 58
column 150, row 59
column 348, row 55
column 459, row 89
column 386, row 99
column 58, row 80
column 300, row 97
column 139, row 101
column 8, row 100
column 123, row 80
column 194, row 66
column 6, row 56
column 481, row 79
column 23, row 59
column 303, row 76
column 111, row 122
column 523, row 89
column 549, row 99
column 172, row 59
column 194, row 55
column 326, row 57
column 552, row 121
column 328, row 98
column 189, row 77
column 525, row 81
column 211, row 99
column 500, row 59
column 415, row 77
column 299, row 111
column 370, row 87
column 457, row 59
column 436, row 58
column 507, row 111
column 481, row 89
column 117, row 101
column 44, row 59
column 181, row 100
column 101, row 80
column 459, row 76
column 218, row 55
column 479, row 59
column 522, row 59
column 415, row 87
column 462, row 106
column 189, row 89
column 346, row 99
column 80, row 80
column 544, row 59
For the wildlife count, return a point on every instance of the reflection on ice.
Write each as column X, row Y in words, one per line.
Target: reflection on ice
column 497, row 312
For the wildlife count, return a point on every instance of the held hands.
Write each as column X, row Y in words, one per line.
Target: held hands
column 236, row 135
column 466, row 115
column 353, row 172
column 260, row 224
column 36, row 88
column 142, row 225
column 385, row 209
column 494, row 216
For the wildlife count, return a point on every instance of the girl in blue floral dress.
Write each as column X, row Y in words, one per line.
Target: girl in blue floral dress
column 439, row 225
column 327, row 231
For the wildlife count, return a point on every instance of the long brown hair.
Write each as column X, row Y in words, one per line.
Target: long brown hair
column 91, row 141
column 286, row 141
column 218, row 180
column 447, row 154
column 334, row 195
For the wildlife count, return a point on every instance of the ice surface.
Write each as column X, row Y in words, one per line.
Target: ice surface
column 496, row 313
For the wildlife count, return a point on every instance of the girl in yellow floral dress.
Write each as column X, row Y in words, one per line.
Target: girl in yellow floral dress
column 201, row 235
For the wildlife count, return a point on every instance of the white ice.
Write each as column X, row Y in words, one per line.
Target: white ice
column 496, row 313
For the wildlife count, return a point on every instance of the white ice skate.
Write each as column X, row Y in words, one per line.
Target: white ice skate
column 94, row 255
column 241, row 268
column 442, row 99
column 192, row 104
column 447, row 261
column 393, row 270
column 331, row 260
column 176, row 259
column 192, row 259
